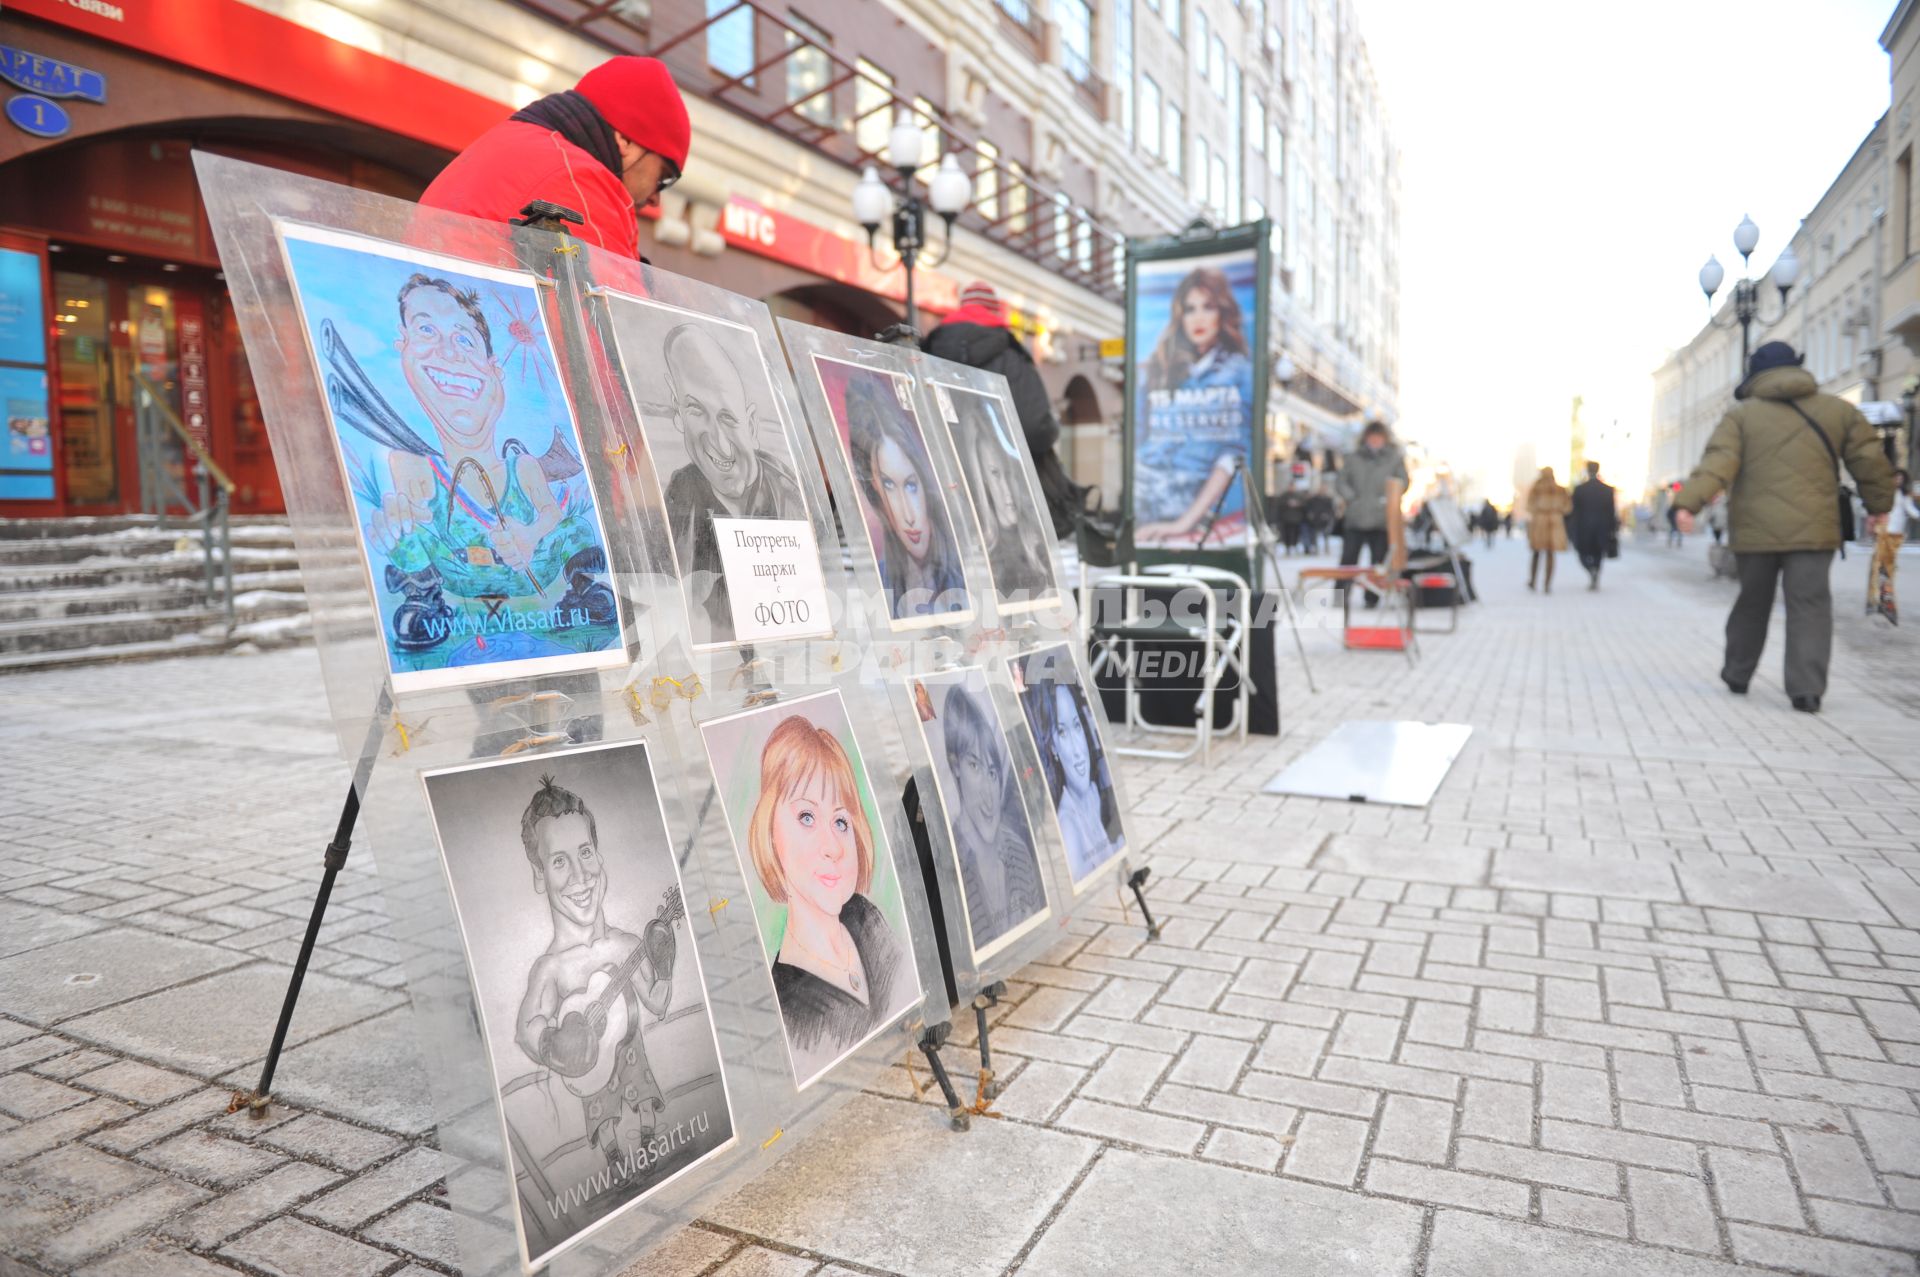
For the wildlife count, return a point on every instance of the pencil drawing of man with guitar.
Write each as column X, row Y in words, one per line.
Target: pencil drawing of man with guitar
column 580, row 1017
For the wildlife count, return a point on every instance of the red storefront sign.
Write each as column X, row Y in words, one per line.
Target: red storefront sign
column 249, row 46
column 786, row 238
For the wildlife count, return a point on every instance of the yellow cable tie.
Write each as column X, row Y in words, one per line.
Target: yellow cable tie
column 913, row 1077
column 717, row 906
column 568, row 249
column 401, row 728
column 768, row 1142
column 616, row 452
column 636, row 706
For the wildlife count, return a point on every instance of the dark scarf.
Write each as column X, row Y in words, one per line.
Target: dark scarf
column 574, row 118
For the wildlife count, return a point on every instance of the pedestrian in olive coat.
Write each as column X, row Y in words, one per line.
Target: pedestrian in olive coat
column 1775, row 453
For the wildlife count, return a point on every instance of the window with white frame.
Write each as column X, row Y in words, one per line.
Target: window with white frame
column 1150, row 122
column 809, row 70
column 1202, row 167
column 986, row 181
column 872, row 106
column 1176, row 137
column 1075, row 20
column 730, row 39
column 1123, row 64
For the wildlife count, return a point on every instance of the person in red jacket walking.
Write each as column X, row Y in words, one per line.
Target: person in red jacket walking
column 605, row 149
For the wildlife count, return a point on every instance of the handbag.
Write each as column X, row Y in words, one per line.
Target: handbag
column 1845, row 498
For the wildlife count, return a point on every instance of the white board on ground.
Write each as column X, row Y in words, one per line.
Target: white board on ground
column 1368, row 761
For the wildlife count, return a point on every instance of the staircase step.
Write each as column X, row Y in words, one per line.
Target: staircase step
column 102, row 571
column 122, row 628
column 140, row 596
column 137, row 544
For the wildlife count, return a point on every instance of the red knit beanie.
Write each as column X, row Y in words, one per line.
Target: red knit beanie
column 638, row 97
column 980, row 293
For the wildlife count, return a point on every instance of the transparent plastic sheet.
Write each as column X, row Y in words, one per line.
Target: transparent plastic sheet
column 548, row 721
column 895, row 650
column 379, row 625
column 973, row 409
column 664, row 387
column 529, row 1166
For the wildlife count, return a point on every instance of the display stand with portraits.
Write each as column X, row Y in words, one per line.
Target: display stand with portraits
column 959, row 564
column 478, row 478
column 631, row 715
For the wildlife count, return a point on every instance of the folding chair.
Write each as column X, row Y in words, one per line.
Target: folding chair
column 1146, row 613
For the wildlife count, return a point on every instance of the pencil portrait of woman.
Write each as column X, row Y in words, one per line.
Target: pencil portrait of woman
column 1078, row 782
column 998, row 489
column 918, row 560
column 1194, row 423
column 1000, row 880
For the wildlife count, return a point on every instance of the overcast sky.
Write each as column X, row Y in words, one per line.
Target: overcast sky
column 1567, row 169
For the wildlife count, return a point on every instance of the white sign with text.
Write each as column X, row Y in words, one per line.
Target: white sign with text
column 773, row 579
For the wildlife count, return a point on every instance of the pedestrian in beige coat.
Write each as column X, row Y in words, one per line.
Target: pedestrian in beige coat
column 1547, row 507
column 1775, row 452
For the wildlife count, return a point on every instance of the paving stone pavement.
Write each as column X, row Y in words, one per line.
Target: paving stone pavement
column 1638, row 992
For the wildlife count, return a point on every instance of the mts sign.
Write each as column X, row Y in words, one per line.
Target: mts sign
column 744, row 221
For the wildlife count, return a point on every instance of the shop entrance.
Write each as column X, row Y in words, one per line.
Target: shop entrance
column 121, row 322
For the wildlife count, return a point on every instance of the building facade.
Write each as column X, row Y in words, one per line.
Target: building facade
column 1082, row 122
column 1853, row 314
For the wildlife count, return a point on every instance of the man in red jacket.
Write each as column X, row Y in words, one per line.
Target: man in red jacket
column 604, row 149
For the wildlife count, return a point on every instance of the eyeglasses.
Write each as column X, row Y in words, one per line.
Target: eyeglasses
column 669, row 176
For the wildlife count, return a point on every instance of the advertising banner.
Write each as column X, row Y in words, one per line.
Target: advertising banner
column 1196, row 386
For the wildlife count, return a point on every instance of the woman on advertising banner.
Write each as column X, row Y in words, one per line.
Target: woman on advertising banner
column 1194, row 414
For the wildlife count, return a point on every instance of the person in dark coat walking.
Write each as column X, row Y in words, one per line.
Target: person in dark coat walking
column 977, row 335
column 1320, row 516
column 1487, row 520
column 1291, row 509
column 1596, row 522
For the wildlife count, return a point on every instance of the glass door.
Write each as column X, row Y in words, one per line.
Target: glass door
column 89, row 406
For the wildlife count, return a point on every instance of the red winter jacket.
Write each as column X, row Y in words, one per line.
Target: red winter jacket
column 514, row 163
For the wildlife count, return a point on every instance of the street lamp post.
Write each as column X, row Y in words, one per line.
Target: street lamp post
column 874, row 196
column 1284, row 372
column 1746, row 293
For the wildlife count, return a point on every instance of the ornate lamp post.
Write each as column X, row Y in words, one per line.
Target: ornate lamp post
column 876, row 196
column 1746, row 292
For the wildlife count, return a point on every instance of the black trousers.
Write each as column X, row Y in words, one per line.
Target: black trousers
column 1809, row 617
column 1375, row 541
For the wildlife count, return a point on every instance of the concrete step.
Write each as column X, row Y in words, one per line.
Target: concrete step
column 174, row 593
column 74, row 591
column 102, row 571
column 134, row 544
column 53, row 529
column 39, row 634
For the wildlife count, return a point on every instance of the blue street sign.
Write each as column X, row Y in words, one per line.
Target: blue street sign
column 50, row 76
column 35, row 115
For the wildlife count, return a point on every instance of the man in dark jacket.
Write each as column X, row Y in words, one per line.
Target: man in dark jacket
column 1775, row 453
column 1596, row 521
column 977, row 335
